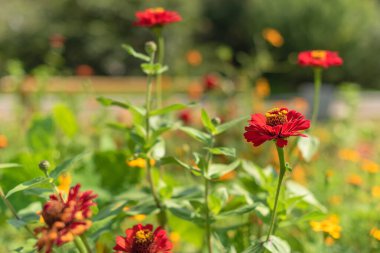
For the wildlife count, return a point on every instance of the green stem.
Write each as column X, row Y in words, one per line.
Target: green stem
column 207, row 209
column 162, row 218
column 317, row 89
column 13, row 211
column 161, row 54
column 53, row 186
column 79, row 244
column 280, row 152
column 85, row 242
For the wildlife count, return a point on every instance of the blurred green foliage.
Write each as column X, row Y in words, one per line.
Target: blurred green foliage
column 93, row 29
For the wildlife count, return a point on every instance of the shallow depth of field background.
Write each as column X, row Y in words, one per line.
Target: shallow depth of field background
column 48, row 107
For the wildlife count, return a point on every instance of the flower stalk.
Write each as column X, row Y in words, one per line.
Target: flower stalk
column 207, row 191
column 161, row 55
column 162, row 219
column 280, row 152
column 317, row 90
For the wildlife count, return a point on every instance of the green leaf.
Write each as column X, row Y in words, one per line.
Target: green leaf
column 110, row 102
column 296, row 190
column 135, row 54
column 224, row 127
column 9, row 165
column 170, row 108
column 238, row 211
column 217, row 170
column 153, row 68
column 65, row 120
column 276, row 245
column 66, row 165
column 27, row 185
column 308, row 147
column 215, row 203
column 196, row 134
column 207, row 123
column 223, row 151
column 174, row 160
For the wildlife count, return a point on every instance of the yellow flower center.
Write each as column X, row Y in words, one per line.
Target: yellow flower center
column 318, row 54
column 157, row 10
column 276, row 117
column 144, row 236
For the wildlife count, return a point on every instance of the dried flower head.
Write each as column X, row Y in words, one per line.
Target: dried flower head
column 64, row 219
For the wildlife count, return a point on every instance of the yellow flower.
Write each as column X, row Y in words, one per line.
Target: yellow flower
column 375, row 233
column 140, row 163
column 262, row 88
column 349, row 155
column 375, row 191
column 329, row 226
column 139, row 217
column 273, row 36
column 194, row 57
column 355, row 180
column 3, row 141
column 64, row 182
column 370, row 166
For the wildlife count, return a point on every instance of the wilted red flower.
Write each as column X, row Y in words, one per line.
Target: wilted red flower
column 210, row 81
column 156, row 17
column 185, row 116
column 142, row 239
column 65, row 219
column 319, row 58
column 277, row 124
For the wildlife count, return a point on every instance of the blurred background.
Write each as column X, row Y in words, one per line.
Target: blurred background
column 212, row 33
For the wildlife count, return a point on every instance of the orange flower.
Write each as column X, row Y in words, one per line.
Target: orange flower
column 262, row 88
column 370, row 166
column 228, row 176
column 140, row 163
column 335, row 200
column 329, row 226
column 139, row 217
column 375, row 191
column 329, row 241
column 194, row 57
column 195, row 90
column 3, row 141
column 84, row 70
column 299, row 175
column 273, row 36
column 64, row 181
column 355, row 179
column 349, row 155
column 375, row 233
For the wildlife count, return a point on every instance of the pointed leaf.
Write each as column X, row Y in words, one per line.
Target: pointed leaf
column 308, row 147
column 9, row 165
column 135, row 54
column 27, row 185
column 218, row 170
column 224, row 127
column 196, row 134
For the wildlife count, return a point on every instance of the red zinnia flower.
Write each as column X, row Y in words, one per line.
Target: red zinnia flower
column 185, row 116
column 65, row 219
column 142, row 239
column 210, row 81
column 319, row 58
column 156, row 17
column 277, row 124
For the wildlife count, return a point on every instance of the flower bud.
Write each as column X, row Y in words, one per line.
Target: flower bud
column 150, row 47
column 44, row 165
column 216, row 121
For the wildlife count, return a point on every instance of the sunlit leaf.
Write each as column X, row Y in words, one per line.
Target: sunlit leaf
column 27, row 185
